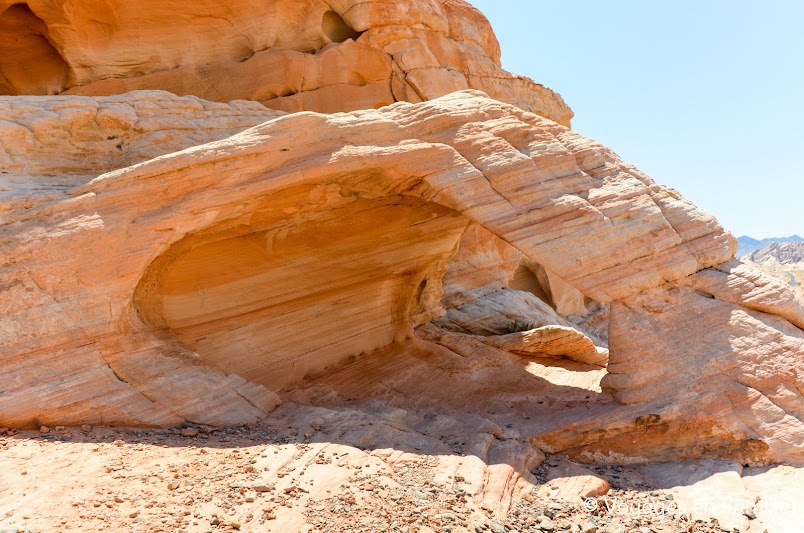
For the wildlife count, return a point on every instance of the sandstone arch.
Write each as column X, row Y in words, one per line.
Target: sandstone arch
column 563, row 201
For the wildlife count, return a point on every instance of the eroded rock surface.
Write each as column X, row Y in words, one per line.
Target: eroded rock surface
column 49, row 146
column 310, row 240
column 292, row 55
column 435, row 287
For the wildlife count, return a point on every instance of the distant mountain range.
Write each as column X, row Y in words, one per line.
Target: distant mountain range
column 784, row 253
column 749, row 244
column 783, row 260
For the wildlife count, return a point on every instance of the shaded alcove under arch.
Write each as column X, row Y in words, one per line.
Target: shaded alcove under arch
column 275, row 301
column 29, row 64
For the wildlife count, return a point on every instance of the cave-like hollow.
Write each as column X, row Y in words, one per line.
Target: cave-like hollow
column 29, row 64
column 310, row 277
column 281, row 296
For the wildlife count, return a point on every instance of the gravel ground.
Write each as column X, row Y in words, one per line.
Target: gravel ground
column 264, row 479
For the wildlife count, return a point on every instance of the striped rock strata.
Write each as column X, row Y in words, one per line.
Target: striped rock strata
column 196, row 285
column 293, row 55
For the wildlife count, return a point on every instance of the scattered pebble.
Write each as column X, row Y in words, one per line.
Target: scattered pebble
column 230, row 485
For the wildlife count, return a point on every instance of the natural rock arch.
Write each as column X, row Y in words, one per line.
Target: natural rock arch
column 453, row 181
column 564, row 201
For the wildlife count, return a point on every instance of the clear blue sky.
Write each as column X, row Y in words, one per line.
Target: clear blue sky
column 706, row 96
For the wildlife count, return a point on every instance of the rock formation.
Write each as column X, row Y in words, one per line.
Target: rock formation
column 170, row 259
column 311, row 55
column 785, row 253
column 783, row 260
column 746, row 244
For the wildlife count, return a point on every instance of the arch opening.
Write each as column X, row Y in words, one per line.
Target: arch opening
column 491, row 289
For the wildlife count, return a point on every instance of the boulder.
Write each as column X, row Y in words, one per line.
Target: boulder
column 551, row 341
column 572, row 483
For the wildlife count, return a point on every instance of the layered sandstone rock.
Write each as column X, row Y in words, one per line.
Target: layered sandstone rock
column 238, row 252
column 49, row 146
column 244, row 265
column 456, row 281
column 556, row 341
column 725, row 327
column 291, row 55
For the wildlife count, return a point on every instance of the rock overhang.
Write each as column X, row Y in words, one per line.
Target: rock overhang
column 564, row 202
